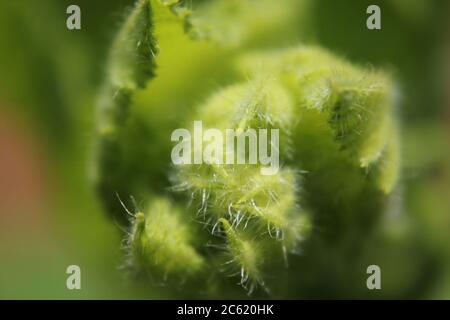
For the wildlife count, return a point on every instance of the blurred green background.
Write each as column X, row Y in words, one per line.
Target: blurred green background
column 50, row 216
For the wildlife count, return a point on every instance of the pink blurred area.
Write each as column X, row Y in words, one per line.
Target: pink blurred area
column 24, row 179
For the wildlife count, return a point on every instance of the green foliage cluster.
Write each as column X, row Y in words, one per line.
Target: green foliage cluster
column 200, row 224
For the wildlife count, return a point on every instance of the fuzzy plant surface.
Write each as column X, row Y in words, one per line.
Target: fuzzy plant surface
column 226, row 230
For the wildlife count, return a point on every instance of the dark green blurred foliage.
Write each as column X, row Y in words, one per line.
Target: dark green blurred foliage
column 411, row 44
